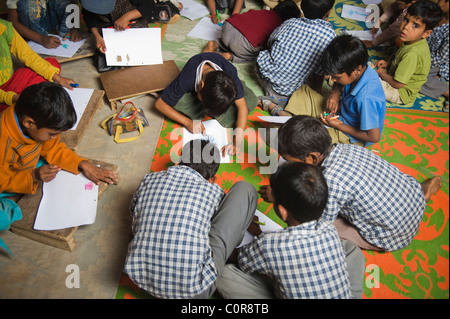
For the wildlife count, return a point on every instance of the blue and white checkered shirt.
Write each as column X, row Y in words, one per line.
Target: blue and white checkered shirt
column 384, row 204
column 438, row 42
column 305, row 261
column 296, row 48
column 170, row 256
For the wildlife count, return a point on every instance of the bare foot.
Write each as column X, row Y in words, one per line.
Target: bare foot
column 211, row 46
column 431, row 186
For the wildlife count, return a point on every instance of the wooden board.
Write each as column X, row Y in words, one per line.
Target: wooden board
column 137, row 80
column 29, row 205
column 86, row 50
column 72, row 138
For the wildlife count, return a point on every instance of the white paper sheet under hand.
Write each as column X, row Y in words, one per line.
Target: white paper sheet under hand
column 354, row 12
column 206, row 30
column 80, row 98
column 67, row 48
column 132, row 47
column 193, row 10
column 67, row 201
column 269, row 225
column 214, row 132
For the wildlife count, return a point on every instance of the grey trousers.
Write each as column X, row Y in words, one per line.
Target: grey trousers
column 235, row 284
column 229, row 224
column 236, row 43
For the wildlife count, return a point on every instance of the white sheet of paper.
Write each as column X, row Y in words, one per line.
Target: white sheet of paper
column 215, row 133
column 193, row 10
column 67, row 48
column 206, row 30
column 67, row 201
column 269, row 226
column 354, row 12
column 80, row 98
column 364, row 35
column 131, row 47
column 274, row 119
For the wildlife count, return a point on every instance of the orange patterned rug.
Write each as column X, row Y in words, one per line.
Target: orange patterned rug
column 414, row 141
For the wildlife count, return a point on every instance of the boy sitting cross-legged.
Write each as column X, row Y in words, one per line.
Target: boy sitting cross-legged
column 371, row 202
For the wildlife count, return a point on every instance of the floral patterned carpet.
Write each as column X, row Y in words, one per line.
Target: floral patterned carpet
column 415, row 139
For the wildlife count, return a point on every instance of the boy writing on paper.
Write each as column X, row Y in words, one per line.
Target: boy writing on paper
column 30, row 147
column 292, row 257
column 34, row 19
column 208, row 85
column 37, row 69
column 371, row 202
column 185, row 227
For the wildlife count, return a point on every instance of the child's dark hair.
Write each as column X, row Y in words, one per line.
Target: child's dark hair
column 287, row 9
column 344, row 54
column 202, row 156
column 218, row 93
column 302, row 135
column 428, row 11
column 316, row 9
column 301, row 189
column 48, row 104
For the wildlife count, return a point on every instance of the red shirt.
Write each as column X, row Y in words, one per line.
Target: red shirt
column 256, row 25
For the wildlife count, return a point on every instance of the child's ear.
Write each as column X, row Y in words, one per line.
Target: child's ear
column 313, row 158
column 28, row 122
column 426, row 34
column 283, row 212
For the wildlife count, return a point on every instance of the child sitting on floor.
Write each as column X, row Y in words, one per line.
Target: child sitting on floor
column 30, row 130
column 208, row 85
column 244, row 35
column 185, row 227
column 371, row 202
column 405, row 74
column 438, row 41
column 357, row 94
column 293, row 257
column 35, row 19
column 37, row 69
column 214, row 6
column 294, row 51
column 123, row 14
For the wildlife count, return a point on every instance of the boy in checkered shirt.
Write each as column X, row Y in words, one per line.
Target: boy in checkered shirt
column 185, row 227
column 370, row 201
column 304, row 261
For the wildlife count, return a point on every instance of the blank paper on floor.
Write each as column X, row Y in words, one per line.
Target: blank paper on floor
column 214, row 132
column 132, row 47
column 69, row 200
column 67, row 48
column 80, row 98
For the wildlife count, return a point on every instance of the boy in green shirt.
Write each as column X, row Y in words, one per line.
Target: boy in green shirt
column 408, row 71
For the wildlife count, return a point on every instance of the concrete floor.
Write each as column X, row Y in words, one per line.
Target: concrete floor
column 39, row 271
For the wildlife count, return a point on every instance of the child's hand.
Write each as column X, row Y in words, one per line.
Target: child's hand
column 100, row 44
column 254, row 228
column 381, row 64
column 121, row 23
column 333, row 103
column 73, row 35
column 65, row 82
column 374, row 30
column 195, row 127
column 214, row 18
column 50, row 41
column 266, row 193
column 97, row 174
column 331, row 120
column 45, row 173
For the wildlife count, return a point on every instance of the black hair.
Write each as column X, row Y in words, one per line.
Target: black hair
column 316, row 9
column 287, row 9
column 218, row 93
column 428, row 11
column 202, row 156
column 48, row 104
column 301, row 189
column 344, row 54
column 302, row 135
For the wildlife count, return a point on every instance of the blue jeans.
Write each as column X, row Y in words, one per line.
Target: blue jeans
column 44, row 16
